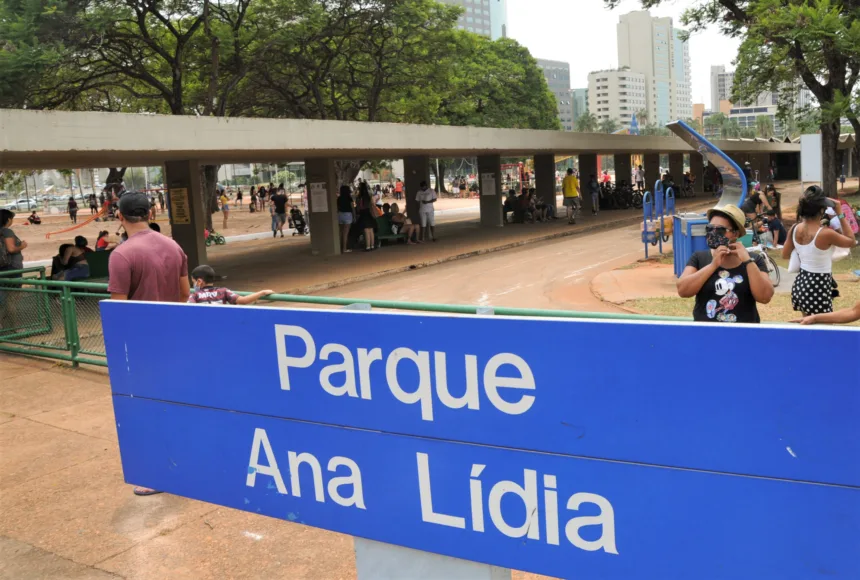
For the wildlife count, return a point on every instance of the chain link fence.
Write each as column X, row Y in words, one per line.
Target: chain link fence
column 51, row 319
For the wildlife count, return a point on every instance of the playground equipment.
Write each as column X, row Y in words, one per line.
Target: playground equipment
column 658, row 209
column 91, row 219
column 690, row 228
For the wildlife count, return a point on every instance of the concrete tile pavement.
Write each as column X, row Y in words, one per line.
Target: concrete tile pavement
column 65, row 511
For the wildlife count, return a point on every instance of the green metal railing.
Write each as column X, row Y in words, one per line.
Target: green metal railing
column 49, row 318
column 61, row 320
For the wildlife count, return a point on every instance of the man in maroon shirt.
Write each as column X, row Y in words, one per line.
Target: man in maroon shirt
column 148, row 266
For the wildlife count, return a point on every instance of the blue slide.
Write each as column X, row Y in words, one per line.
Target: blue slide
column 735, row 185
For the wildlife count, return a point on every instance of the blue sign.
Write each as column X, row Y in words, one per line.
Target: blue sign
column 533, row 444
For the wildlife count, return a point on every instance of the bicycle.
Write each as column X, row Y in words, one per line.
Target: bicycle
column 757, row 247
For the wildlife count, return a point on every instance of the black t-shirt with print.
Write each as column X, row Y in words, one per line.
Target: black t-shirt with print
column 726, row 296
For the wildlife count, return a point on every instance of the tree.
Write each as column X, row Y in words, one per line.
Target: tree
column 764, row 126
column 608, row 126
column 587, row 123
column 642, row 117
column 787, row 42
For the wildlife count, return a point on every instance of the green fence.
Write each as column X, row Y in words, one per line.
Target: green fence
column 61, row 320
column 53, row 319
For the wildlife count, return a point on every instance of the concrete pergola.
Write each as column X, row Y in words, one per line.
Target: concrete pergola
column 52, row 139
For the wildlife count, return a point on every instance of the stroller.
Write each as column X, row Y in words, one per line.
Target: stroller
column 298, row 223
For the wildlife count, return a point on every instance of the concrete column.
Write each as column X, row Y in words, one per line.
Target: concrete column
column 587, row 167
column 187, row 218
column 761, row 162
column 623, row 169
column 415, row 170
column 491, row 193
column 545, row 178
column 697, row 170
column 676, row 167
column 651, row 161
column 322, row 213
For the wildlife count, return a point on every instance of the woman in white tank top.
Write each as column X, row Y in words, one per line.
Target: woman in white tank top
column 812, row 292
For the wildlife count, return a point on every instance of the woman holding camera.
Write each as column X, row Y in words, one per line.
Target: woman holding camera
column 725, row 280
column 812, row 291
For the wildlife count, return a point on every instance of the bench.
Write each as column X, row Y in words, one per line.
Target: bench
column 384, row 233
column 98, row 262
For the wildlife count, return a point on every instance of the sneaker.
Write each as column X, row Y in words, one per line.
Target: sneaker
column 274, row 233
column 282, row 234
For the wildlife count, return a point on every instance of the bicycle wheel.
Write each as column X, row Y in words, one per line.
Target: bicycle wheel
column 772, row 271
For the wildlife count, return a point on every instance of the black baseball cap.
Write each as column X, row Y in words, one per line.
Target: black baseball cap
column 203, row 272
column 134, row 205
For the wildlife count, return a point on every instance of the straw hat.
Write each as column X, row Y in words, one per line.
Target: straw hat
column 733, row 214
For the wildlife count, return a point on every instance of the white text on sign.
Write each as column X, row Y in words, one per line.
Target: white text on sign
column 353, row 370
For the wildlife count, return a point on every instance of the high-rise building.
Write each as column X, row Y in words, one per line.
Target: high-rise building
column 653, row 47
column 721, row 86
column 557, row 76
column 579, row 98
column 487, row 17
column 617, row 94
column 681, row 79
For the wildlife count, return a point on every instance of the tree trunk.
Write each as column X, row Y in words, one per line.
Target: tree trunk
column 113, row 182
column 208, row 180
column 829, row 155
column 440, row 179
column 346, row 170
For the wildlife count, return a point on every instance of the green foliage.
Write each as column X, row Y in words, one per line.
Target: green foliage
column 587, row 123
column 608, row 126
column 764, row 126
column 374, row 60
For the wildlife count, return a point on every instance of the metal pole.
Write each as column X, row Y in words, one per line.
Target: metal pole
column 438, row 178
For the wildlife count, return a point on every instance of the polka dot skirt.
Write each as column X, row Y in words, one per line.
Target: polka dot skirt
column 812, row 293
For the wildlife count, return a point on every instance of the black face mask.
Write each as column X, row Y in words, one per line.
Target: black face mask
column 716, row 237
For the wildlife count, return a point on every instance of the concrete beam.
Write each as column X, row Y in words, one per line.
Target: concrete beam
column 187, row 218
column 53, row 139
column 490, row 185
column 322, row 212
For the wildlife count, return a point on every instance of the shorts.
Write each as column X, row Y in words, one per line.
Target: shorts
column 224, row 208
column 640, row 184
column 427, row 219
column 572, row 202
column 344, row 218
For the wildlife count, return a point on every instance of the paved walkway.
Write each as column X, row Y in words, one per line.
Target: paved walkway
column 65, row 511
column 289, row 267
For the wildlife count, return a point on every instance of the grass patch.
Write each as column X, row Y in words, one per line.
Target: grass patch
column 779, row 309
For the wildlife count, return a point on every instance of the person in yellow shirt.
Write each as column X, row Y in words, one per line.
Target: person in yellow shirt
column 572, row 200
column 225, row 206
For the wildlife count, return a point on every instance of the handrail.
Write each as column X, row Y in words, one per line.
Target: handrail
column 7, row 273
column 394, row 305
column 58, row 283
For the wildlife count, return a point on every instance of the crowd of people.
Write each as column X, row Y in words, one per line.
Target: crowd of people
column 728, row 282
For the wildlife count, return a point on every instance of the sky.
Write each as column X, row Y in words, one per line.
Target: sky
column 583, row 33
